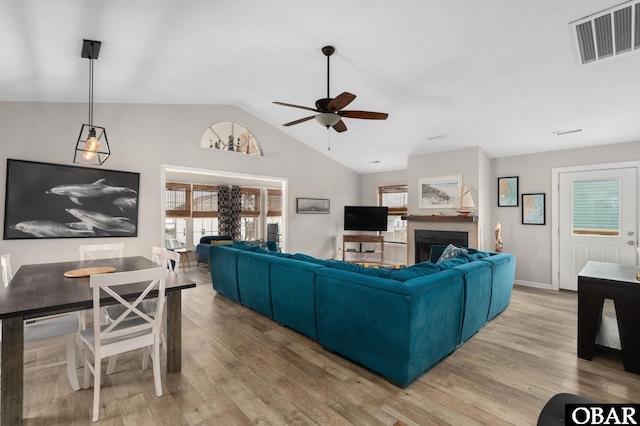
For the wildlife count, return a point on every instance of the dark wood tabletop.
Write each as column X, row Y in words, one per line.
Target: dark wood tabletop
column 42, row 289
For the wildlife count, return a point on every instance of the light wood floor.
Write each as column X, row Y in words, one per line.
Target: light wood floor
column 240, row 368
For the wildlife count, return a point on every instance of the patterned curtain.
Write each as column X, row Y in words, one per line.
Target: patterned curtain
column 229, row 210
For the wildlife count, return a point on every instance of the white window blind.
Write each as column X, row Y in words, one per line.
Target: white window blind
column 596, row 207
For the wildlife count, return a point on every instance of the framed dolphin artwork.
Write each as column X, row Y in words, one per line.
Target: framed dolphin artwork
column 45, row 200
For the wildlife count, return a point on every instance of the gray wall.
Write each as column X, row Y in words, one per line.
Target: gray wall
column 144, row 137
column 530, row 244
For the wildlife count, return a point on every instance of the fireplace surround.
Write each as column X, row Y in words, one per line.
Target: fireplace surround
column 440, row 223
column 424, row 239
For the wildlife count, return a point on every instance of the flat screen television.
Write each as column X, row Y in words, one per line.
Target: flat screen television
column 365, row 218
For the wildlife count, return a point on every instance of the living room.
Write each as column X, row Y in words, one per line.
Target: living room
column 149, row 135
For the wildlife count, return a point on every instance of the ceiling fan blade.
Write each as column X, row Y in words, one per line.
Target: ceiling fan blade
column 341, row 101
column 296, row 106
column 340, row 127
column 367, row 115
column 302, row 120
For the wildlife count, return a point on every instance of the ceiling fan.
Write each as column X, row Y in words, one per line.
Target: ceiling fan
column 330, row 110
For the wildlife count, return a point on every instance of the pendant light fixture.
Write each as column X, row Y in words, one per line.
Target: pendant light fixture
column 93, row 146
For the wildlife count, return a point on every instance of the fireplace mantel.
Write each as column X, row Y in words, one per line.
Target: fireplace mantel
column 439, row 218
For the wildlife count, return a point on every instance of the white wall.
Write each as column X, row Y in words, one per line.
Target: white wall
column 143, row 137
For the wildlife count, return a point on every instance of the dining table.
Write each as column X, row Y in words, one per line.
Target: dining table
column 42, row 289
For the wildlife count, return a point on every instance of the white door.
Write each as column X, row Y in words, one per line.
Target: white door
column 598, row 220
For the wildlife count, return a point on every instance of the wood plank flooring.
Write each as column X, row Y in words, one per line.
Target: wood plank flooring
column 240, row 368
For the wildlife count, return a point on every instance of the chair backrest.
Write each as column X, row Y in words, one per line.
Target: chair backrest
column 101, row 251
column 7, row 276
column 136, row 320
column 164, row 257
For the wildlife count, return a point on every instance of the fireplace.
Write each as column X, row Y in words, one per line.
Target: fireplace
column 424, row 239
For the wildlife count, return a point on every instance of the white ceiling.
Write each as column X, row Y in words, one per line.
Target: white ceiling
column 499, row 74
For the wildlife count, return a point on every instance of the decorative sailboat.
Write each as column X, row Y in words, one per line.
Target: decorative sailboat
column 466, row 206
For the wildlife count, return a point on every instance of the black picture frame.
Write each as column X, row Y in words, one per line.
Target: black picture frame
column 508, row 191
column 533, row 209
column 312, row 206
column 44, row 200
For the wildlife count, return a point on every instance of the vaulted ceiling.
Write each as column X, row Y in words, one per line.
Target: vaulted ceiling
column 503, row 75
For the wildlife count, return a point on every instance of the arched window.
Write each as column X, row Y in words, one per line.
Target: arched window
column 230, row 136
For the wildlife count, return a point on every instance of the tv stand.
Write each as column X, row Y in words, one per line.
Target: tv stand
column 378, row 250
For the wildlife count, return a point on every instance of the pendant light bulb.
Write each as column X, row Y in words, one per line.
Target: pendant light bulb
column 92, row 146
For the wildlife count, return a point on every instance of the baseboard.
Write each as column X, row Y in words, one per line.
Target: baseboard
column 533, row 284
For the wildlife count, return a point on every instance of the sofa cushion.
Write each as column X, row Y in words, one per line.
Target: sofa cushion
column 414, row 271
column 451, row 252
column 448, row 264
column 306, row 258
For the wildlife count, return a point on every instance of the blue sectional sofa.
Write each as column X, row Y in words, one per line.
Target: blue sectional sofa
column 398, row 323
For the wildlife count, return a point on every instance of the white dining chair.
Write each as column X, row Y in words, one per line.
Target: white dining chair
column 98, row 251
column 47, row 332
column 162, row 257
column 101, row 251
column 123, row 334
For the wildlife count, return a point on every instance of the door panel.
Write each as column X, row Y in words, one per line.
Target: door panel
column 593, row 225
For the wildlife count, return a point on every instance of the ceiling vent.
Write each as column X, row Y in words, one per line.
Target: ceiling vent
column 608, row 33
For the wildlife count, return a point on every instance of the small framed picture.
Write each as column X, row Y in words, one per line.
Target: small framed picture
column 312, row 205
column 508, row 191
column 533, row 209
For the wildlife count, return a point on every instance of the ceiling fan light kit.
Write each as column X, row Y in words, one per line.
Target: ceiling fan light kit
column 330, row 110
column 327, row 119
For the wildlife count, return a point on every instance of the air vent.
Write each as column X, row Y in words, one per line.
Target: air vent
column 608, row 33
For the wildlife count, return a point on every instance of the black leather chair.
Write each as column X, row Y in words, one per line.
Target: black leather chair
column 553, row 412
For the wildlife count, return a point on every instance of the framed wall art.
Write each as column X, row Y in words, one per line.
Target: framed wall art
column 312, row 205
column 533, row 209
column 45, row 200
column 508, row 191
column 439, row 192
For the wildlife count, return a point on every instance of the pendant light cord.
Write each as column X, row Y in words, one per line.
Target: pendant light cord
column 90, row 92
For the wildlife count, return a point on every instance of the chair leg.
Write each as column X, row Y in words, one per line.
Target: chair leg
column 97, row 374
column 87, row 368
column 155, row 358
column 112, row 364
column 146, row 353
column 71, row 362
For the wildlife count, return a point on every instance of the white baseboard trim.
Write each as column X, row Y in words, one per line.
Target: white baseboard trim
column 533, row 284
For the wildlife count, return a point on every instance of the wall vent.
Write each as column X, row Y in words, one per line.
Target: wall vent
column 608, row 33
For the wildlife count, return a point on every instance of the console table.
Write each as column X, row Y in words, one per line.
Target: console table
column 363, row 239
column 598, row 281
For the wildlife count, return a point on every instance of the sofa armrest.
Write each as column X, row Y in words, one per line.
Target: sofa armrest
column 224, row 271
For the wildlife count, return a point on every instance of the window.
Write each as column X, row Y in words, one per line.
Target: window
column 274, row 202
column 395, row 197
column 175, row 232
column 178, row 199
column 204, row 226
column 205, row 201
column 250, row 200
column 596, row 207
column 192, row 209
